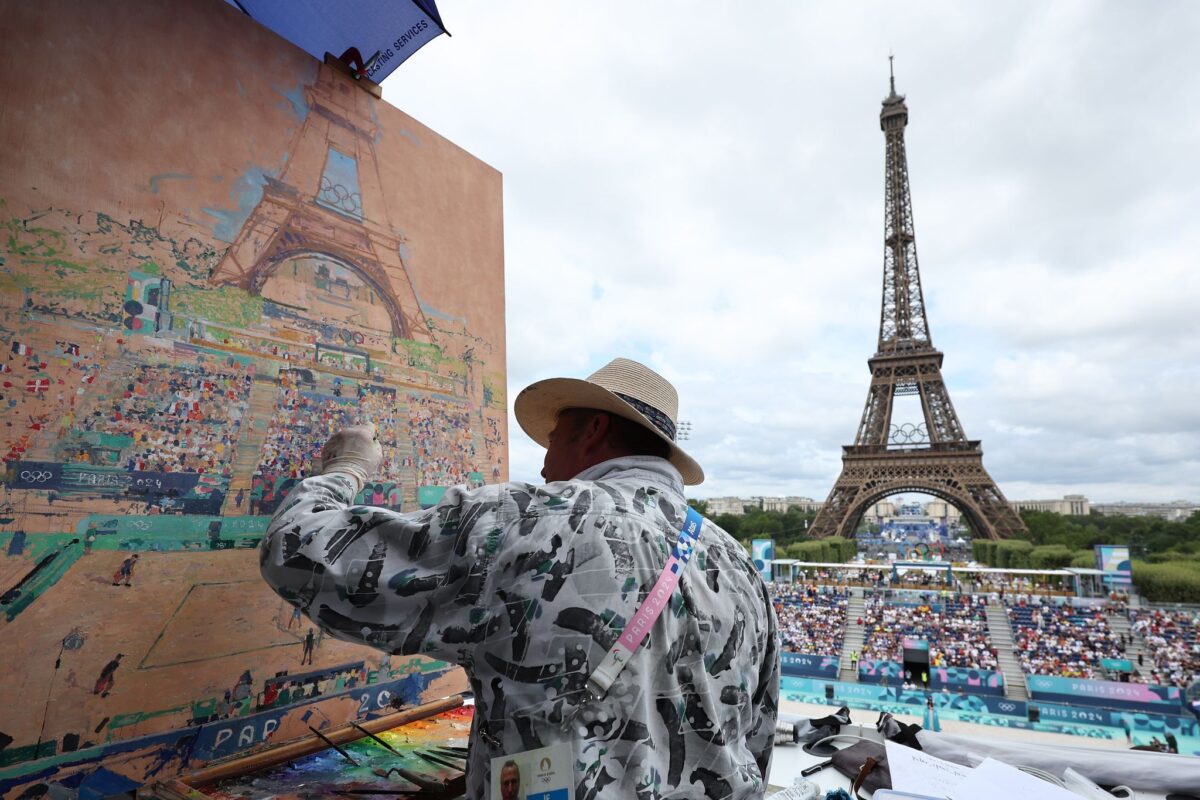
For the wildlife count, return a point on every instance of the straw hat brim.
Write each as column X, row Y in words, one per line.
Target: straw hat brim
column 538, row 406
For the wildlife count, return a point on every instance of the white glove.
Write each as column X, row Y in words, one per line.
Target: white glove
column 353, row 451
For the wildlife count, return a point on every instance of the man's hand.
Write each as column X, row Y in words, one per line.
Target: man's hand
column 353, row 451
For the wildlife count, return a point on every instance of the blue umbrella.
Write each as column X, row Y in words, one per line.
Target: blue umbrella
column 372, row 36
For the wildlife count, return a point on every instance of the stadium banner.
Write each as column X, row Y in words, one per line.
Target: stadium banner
column 762, row 552
column 172, row 532
column 808, row 664
column 1089, row 716
column 48, row 475
column 223, row 738
column 1105, row 694
column 975, row 681
column 1113, row 561
column 1135, row 721
column 995, row 711
column 35, row 475
column 885, row 672
column 186, row 492
column 1117, row 664
column 979, row 681
column 875, row 696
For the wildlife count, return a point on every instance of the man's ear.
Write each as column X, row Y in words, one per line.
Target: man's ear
column 595, row 432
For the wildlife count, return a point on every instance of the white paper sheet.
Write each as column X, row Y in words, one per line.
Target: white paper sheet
column 995, row 780
column 920, row 773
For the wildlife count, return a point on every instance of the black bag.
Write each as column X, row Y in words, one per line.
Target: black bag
column 865, row 764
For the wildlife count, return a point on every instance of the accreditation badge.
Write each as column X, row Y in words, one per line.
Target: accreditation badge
column 547, row 773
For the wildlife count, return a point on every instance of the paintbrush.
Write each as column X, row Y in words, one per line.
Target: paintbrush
column 358, row 727
column 329, row 742
column 440, row 761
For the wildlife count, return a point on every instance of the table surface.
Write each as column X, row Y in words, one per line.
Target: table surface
column 789, row 759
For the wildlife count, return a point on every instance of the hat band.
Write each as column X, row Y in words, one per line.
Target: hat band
column 657, row 418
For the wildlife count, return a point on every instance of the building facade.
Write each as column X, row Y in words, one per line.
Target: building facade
column 738, row 505
column 1176, row 511
column 727, row 505
column 1071, row 505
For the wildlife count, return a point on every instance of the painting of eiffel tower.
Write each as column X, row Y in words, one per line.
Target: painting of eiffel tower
column 935, row 456
column 327, row 212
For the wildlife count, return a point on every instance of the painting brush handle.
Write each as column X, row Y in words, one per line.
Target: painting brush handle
column 358, row 727
column 332, row 744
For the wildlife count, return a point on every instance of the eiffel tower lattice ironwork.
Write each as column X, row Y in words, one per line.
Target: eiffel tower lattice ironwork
column 935, row 457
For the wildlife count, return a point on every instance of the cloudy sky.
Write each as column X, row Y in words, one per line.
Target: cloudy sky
column 703, row 190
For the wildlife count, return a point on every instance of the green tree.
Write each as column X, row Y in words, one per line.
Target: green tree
column 730, row 523
column 1051, row 556
column 1177, row 582
column 1084, row 559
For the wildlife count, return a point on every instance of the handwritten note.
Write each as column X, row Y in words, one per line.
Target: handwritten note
column 918, row 772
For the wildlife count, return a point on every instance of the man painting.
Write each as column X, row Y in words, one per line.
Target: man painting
column 529, row 586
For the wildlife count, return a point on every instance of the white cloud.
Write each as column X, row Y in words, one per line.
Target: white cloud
column 701, row 188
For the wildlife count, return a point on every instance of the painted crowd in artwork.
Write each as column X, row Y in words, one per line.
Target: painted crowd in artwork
column 166, row 380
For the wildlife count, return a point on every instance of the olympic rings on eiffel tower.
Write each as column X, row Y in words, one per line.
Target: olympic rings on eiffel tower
column 908, row 433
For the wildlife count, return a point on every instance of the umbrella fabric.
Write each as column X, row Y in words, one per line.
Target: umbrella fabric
column 378, row 35
column 1141, row 771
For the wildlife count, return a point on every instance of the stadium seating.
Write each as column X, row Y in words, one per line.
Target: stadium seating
column 956, row 629
column 1173, row 642
column 178, row 417
column 812, row 621
column 1060, row 639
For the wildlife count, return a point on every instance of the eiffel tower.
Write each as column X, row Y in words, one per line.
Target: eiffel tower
column 934, row 457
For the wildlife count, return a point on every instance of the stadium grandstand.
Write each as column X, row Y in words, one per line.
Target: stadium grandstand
column 1042, row 650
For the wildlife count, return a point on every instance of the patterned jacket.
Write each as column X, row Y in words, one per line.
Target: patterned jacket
column 527, row 587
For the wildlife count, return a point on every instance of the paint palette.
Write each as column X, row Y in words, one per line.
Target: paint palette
column 425, row 758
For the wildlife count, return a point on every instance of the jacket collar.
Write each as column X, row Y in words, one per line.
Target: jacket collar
column 650, row 469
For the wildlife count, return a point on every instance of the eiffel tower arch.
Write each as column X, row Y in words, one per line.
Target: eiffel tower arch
column 934, row 457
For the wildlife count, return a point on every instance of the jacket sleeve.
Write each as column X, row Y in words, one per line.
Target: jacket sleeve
column 761, row 740
column 403, row 583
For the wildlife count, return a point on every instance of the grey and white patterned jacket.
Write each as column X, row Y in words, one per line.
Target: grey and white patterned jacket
column 527, row 587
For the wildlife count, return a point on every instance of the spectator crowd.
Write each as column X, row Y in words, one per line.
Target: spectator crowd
column 956, row 630
column 1002, row 585
column 1061, row 639
column 442, row 441
column 180, row 417
column 811, row 620
column 434, row 439
column 305, row 418
column 42, row 388
column 1173, row 640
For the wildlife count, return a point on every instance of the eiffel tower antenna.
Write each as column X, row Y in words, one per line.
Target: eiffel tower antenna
column 935, row 457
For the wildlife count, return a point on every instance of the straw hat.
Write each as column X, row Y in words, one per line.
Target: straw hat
column 622, row 387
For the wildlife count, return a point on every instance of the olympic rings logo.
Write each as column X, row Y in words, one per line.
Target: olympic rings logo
column 36, row 476
column 1007, row 707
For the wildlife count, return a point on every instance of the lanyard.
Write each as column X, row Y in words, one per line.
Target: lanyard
column 648, row 612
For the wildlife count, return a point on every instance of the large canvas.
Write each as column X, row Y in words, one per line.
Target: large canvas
column 214, row 251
